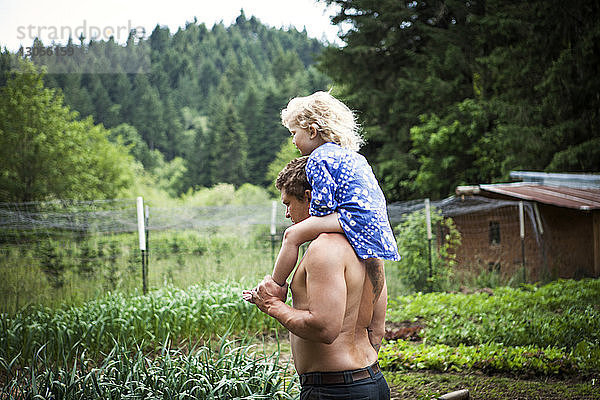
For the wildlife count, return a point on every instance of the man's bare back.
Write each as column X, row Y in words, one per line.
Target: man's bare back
column 331, row 268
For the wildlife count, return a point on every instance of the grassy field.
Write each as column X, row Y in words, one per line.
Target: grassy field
column 205, row 341
column 54, row 271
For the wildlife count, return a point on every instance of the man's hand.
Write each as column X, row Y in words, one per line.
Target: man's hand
column 273, row 290
column 268, row 293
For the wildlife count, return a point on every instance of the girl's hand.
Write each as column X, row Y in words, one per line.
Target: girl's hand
column 247, row 295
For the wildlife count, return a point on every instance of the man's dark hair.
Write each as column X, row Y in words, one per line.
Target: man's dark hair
column 292, row 178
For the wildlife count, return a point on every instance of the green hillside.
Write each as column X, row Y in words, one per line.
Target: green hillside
column 204, row 108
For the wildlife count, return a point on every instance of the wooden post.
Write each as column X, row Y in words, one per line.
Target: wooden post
column 522, row 235
column 458, row 395
column 147, row 214
column 429, row 236
column 596, row 222
column 540, row 229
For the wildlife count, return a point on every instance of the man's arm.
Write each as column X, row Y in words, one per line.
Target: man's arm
column 376, row 328
column 326, row 294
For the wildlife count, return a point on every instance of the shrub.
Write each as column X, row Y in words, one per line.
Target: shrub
column 414, row 268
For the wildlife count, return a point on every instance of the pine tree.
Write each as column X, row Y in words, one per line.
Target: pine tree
column 104, row 111
column 250, row 110
column 401, row 60
column 198, row 156
column 227, row 144
column 146, row 113
column 52, row 264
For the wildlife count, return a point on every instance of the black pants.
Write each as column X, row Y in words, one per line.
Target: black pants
column 371, row 388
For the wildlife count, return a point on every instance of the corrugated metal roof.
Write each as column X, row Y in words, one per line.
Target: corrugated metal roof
column 580, row 181
column 577, row 198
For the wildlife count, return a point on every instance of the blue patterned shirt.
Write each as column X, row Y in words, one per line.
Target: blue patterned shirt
column 343, row 181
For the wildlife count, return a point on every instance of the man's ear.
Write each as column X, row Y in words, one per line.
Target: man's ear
column 313, row 130
column 307, row 194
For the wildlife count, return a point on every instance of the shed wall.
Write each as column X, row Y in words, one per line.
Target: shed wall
column 569, row 241
column 479, row 250
column 566, row 249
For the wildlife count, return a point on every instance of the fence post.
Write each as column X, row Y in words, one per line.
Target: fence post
column 142, row 240
column 540, row 229
column 522, row 235
column 147, row 215
column 429, row 236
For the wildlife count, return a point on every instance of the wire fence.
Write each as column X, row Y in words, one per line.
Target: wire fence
column 76, row 250
column 81, row 249
column 119, row 216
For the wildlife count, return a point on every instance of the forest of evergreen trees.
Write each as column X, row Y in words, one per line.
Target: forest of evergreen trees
column 448, row 92
column 463, row 91
column 208, row 109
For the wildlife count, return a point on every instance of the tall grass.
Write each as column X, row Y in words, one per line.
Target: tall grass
column 57, row 271
column 178, row 258
column 199, row 313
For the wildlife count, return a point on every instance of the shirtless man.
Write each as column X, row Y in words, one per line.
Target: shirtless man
column 337, row 320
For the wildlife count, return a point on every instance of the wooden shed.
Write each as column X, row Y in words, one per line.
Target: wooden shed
column 560, row 225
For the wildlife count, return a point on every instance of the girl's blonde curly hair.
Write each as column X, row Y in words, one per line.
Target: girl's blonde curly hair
column 334, row 120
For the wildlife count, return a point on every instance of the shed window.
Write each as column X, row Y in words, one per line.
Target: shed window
column 494, row 232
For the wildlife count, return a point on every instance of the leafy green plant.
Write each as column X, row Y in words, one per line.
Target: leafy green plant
column 560, row 314
column 490, row 357
column 112, row 271
column 88, row 257
column 545, row 330
column 413, row 246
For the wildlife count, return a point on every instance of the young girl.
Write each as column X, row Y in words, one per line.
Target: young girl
column 346, row 196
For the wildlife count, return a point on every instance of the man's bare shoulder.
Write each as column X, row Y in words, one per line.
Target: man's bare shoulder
column 330, row 239
column 330, row 246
